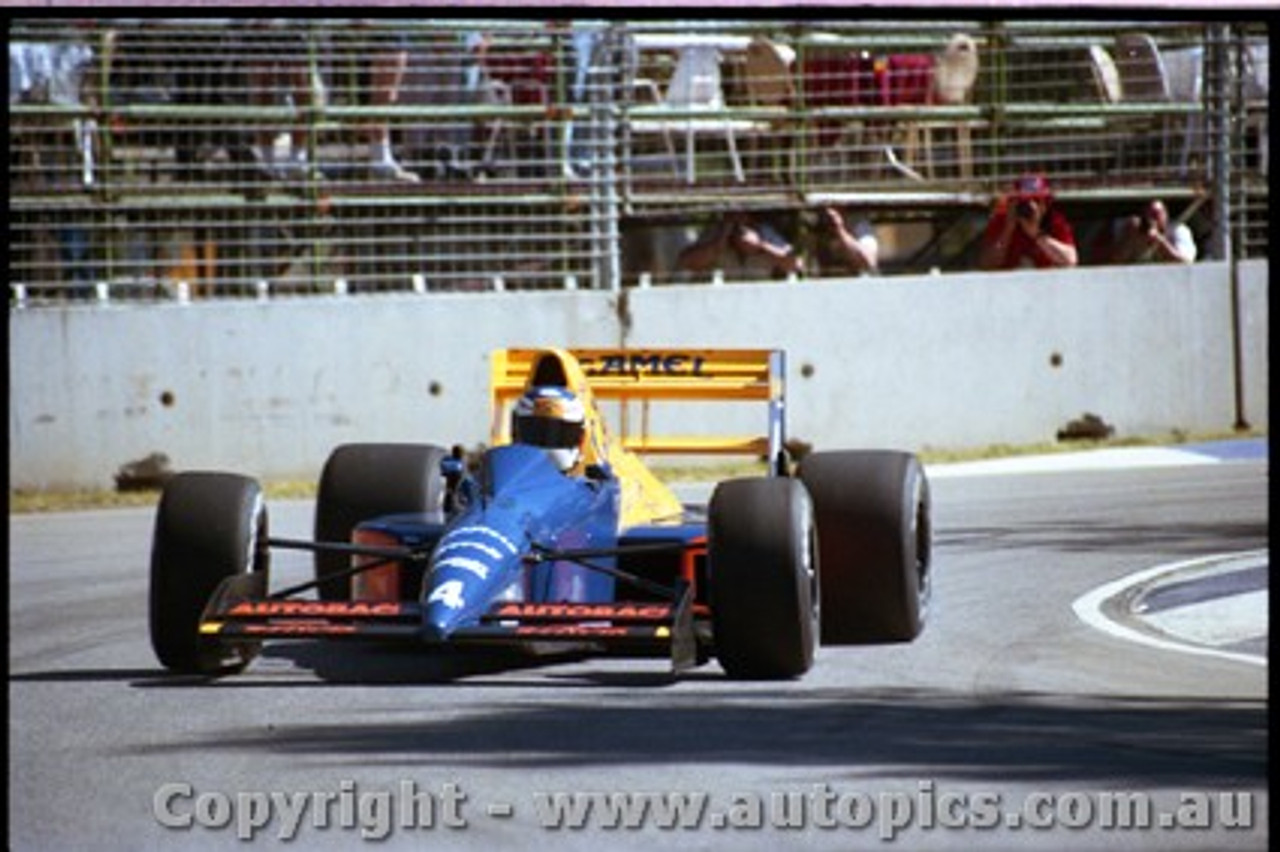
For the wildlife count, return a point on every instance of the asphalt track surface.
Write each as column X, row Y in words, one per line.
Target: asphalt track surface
column 1009, row 698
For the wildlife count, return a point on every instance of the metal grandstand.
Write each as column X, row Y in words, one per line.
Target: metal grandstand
column 160, row 159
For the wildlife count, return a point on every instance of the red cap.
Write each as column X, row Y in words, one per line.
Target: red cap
column 1032, row 186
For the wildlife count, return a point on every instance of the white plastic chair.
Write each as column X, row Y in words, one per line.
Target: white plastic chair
column 955, row 74
column 695, row 85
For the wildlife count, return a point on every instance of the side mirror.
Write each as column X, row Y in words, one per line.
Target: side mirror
column 453, row 468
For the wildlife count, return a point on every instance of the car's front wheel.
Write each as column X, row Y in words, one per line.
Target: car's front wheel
column 363, row 481
column 209, row 526
column 875, row 532
column 764, row 595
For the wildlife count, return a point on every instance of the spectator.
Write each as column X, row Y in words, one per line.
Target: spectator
column 1026, row 229
column 743, row 249
column 447, row 69
column 368, row 69
column 55, row 155
column 841, row 249
column 277, row 64
column 587, row 40
column 388, row 59
column 1151, row 238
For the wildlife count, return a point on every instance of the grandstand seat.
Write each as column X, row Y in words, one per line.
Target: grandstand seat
column 695, row 87
column 770, row 86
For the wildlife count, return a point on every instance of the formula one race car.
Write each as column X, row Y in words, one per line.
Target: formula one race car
column 559, row 534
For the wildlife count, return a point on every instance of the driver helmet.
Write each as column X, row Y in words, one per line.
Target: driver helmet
column 554, row 419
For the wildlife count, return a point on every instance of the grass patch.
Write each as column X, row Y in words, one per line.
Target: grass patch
column 931, row 455
column 672, row 473
column 26, row 502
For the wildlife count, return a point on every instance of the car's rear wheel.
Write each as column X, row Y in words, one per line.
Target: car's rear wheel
column 875, row 525
column 363, row 481
column 764, row 596
column 209, row 526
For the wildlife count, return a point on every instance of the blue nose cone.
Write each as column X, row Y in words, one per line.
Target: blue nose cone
column 470, row 566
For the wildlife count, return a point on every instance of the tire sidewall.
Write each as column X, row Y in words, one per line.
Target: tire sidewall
column 763, row 575
column 874, row 520
column 209, row 526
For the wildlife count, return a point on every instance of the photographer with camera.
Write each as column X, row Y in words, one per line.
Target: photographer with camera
column 744, row 248
column 1150, row 237
column 846, row 249
column 1027, row 230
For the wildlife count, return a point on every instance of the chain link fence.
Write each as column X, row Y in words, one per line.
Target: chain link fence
column 265, row 158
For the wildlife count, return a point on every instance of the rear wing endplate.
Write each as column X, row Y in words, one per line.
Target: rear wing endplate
column 648, row 375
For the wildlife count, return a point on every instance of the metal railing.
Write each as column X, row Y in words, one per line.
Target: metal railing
column 261, row 158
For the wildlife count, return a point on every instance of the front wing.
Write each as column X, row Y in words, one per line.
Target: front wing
column 630, row 629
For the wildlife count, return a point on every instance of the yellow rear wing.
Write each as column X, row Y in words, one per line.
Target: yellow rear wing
column 648, row 375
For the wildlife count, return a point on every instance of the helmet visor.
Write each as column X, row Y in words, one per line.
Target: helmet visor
column 547, row 432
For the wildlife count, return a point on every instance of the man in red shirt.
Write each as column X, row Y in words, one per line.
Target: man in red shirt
column 1027, row 230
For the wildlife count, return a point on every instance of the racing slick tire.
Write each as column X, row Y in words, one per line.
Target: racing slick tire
column 875, row 529
column 209, row 526
column 763, row 577
column 362, row 481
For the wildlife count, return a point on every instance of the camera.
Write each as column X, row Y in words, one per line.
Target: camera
column 1024, row 210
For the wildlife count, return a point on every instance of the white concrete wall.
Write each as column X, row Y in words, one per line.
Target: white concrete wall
column 1255, row 341
column 269, row 388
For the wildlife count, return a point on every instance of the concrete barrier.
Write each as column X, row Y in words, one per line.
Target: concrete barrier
column 268, row 388
column 1254, row 282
